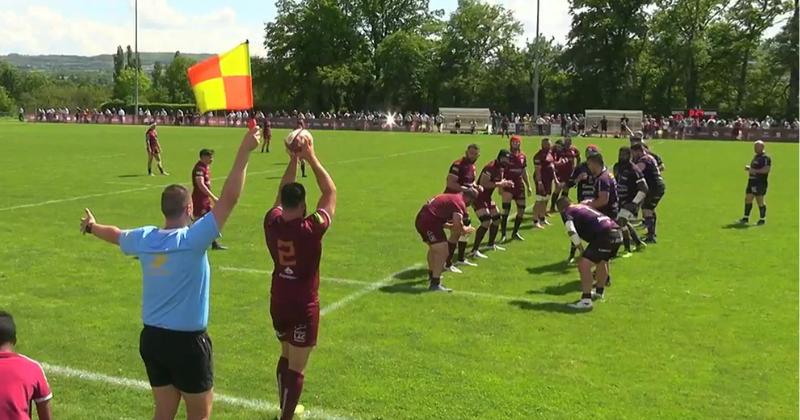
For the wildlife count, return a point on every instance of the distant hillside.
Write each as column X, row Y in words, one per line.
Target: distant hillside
column 76, row 63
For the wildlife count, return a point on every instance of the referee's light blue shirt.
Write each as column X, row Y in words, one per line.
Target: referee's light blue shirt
column 175, row 272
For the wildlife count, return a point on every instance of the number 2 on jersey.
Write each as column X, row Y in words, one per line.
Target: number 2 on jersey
column 286, row 254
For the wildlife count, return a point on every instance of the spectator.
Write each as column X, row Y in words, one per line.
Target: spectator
column 23, row 382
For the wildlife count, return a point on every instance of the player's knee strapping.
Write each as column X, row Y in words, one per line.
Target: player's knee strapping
column 506, row 209
column 485, row 220
column 495, row 218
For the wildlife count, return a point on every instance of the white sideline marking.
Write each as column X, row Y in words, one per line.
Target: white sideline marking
column 76, row 198
column 254, row 405
column 363, row 291
column 465, row 293
column 81, row 197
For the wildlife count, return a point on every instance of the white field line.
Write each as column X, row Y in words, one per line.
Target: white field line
column 369, row 287
column 135, row 384
column 76, row 198
column 81, row 197
column 366, row 284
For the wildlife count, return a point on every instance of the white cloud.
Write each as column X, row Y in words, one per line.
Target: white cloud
column 39, row 29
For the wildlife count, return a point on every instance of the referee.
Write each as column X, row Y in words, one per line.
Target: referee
column 173, row 344
column 758, row 171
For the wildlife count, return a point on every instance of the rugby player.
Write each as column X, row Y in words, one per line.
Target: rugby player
column 584, row 223
column 583, row 182
column 153, row 150
column 632, row 190
column 202, row 197
column 461, row 177
column 758, row 171
column 266, row 131
column 492, row 177
column 544, row 174
column 444, row 210
column 517, row 173
column 567, row 157
column 294, row 241
column 648, row 166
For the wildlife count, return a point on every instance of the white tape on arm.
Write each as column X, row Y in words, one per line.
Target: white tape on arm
column 639, row 197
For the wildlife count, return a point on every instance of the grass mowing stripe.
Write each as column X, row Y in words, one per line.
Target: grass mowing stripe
column 81, row 197
column 254, row 405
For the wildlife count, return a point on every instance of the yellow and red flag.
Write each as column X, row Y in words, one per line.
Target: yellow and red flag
column 223, row 81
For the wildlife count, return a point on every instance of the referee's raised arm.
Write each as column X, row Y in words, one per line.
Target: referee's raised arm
column 232, row 188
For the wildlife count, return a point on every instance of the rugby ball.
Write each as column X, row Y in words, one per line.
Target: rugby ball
column 297, row 139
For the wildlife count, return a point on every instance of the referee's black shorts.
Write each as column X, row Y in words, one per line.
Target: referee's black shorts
column 182, row 359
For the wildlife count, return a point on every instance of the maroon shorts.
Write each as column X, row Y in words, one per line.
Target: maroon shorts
column 200, row 207
column 564, row 174
column 546, row 187
column 484, row 203
column 295, row 323
column 518, row 190
column 430, row 228
column 155, row 149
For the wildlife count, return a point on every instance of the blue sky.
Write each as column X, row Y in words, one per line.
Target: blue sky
column 89, row 27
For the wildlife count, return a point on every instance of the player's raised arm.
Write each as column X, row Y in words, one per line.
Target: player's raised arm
column 107, row 233
column 327, row 201
column 288, row 177
column 235, row 181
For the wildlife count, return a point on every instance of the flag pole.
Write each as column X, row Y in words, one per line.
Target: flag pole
column 136, row 55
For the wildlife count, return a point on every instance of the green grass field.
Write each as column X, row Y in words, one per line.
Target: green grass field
column 701, row 325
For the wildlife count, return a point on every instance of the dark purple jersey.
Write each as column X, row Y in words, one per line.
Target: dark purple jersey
column 586, row 186
column 605, row 182
column 590, row 224
column 760, row 161
column 628, row 179
column 649, row 167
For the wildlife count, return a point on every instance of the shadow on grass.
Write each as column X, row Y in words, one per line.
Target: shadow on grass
column 274, row 177
column 556, row 267
column 737, row 225
column 412, row 274
column 546, row 307
column 415, row 287
column 560, row 290
column 130, row 176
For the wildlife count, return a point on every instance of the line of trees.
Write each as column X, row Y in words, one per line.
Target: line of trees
column 331, row 55
column 656, row 55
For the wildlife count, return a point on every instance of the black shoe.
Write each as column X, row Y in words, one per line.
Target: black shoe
column 516, row 236
column 217, row 247
column 650, row 240
column 744, row 220
column 761, row 222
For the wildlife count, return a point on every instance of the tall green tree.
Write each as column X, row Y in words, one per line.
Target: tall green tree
column 175, row 82
column 475, row 34
column 405, row 67
column 125, row 86
column 604, row 45
column 750, row 19
column 119, row 62
column 130, row 61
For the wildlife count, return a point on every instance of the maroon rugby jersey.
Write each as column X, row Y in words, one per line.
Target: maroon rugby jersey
column 464, row 170
column 296, row 249
column 443, row 206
